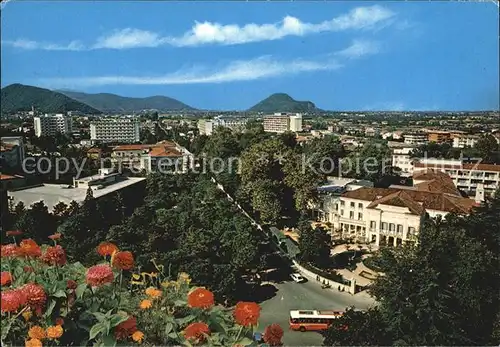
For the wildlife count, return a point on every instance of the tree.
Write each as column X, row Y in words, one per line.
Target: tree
column 315, row 245
column 60, row 209
column 487, row 145
column 37, row 222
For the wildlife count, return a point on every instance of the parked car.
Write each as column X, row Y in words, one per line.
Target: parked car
column 297, row 277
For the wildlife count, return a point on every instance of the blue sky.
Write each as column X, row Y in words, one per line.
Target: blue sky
column 230, row 55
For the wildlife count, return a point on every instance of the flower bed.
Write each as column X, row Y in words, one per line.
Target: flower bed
column 47, row 301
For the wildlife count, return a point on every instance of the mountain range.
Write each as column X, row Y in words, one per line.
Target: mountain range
column 19, row 97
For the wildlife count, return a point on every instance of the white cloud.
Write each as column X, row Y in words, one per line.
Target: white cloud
column 360, row 48
column 33, row 45
column 240, row 70
column 210, row 33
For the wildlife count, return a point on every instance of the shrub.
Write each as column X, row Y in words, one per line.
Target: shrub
column 46, row 300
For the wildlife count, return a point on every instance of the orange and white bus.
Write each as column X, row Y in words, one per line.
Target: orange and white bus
column 311, row 320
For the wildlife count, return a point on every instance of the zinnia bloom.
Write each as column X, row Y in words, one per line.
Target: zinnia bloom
column 153, row 292
column 54, row 332
column 54, row 256
column 98, row 275
column 14, row 233
column 55, row 236
column 35, row 295
column 201, row 298
column 145, row 304
column 5, row 278
column 138, row 336
column 33, row 343
column 106, row 248
column 36, row 332
column 273, row 334
column 71, row 284
column 195, row 332
column 10, row 250
column 30, row 248
column 12, row 300
column 125, row 329
column 123, row 260
column 247, row 313
column 59, row 321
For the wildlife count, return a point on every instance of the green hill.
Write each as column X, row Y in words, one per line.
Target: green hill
column 19, row 97
column 115, row 103
column 281, row 102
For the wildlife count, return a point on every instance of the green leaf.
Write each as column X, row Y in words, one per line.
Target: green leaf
column 96, row 330
column 173, row 335
column 244, row 341
column 109, row 341
column 100, row 316
column 180, row 303
column 168, row 328
column 185, row 320
column 117, row 319
column 80, row 290
column 59, row 294
column 50, row 308
column 5, row 329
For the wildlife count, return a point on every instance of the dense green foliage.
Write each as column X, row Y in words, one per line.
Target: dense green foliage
column 443, row 291
column 115, row 103
column 19, row 97
column 281, row 102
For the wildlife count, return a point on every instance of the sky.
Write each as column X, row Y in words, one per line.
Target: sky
column 229, row 55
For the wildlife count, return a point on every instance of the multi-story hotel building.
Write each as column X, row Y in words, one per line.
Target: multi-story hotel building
column 393, row 216
column 277, row 123
column 416, row 139
column 115, row 130
column 439, row 136
column 296, row 123
column 401, row 159
column 206, row 127
column 462, row 141
column 51, row 124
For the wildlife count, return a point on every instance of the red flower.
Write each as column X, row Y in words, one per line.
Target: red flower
column 27, row 269
column 14, row 233
column 59, row 321
column 273, row 335
column 195, row 332
column 55, row 256
column 99, row 274
column 123, row 260
column 10, row 250
column 125, row 329
column 35, row 295
column 55, row 236
column 71, row 284
column 201, row 298
column 30, row 248
column 106, row 248
column 247, row 313
column 6, row 278
column 12, row 300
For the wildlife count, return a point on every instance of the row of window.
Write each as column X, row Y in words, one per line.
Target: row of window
column 384, row 226
column 351, row 214
column 352, row 204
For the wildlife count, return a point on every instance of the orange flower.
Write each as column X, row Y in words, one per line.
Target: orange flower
column 35, row 295
column 145, row 304
column 273, row 335
column 10, row 250
column 201, row 298
column 138, row 336
column 153, row 292
column 14, row 233
column 59, row 321
column 5, row 278
column 12, row 300
column 33, row 343
column 247, row 313
column 125, row 329
column 36, row 332
column 98, row 275
column 30, row 248
column 195, row 332
column 54, row 332
column 55, row 236
column 54, row 256
column 123, row 260
column 106, row 248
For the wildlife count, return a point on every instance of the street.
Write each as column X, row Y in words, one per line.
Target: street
column 309, row 295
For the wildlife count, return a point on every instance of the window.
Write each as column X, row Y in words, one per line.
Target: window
column 383, row 226
column 360, row 216
column 341, row 212
column 353, row 204
column 400, row 228
column 342, row 203
column 351, row 214
column 392, row 227
column 411, row 230
column 360, row 205
column 373, row 224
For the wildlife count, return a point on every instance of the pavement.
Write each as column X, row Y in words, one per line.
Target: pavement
column 309, row 295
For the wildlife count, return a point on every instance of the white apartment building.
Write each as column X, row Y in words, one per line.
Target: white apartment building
column 281, row 122
column 51, row 124
column 401, row 158
column 416, row 138
column 296, row 123
column 115, row 130
column 462, row 141
column 207, row 127
column 471, row 178
column 393, row 216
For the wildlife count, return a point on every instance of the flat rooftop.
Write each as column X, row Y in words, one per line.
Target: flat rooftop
column 52, row 194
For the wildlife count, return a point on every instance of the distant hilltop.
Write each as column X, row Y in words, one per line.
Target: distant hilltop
column 281, row 102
